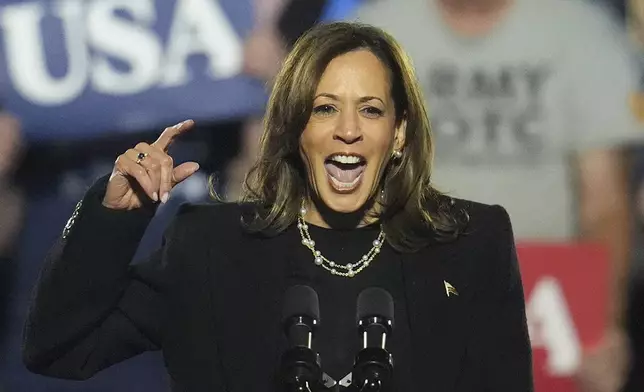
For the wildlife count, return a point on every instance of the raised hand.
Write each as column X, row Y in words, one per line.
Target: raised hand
column 147, row 173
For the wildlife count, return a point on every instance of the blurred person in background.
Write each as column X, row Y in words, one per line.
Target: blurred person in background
column 634, row 15
column 278, row 24
column 636, row 298
column 634, row 18
column 11, row 209
column 530, row 108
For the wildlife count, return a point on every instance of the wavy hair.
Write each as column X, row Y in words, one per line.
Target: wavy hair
column 413, row 213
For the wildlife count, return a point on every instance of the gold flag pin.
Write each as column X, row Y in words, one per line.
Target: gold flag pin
column 449, row 289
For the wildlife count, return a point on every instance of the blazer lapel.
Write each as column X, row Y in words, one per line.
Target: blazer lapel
column 437, row 319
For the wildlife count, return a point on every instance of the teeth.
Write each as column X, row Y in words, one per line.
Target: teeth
column 347, row 159
column 345, row 185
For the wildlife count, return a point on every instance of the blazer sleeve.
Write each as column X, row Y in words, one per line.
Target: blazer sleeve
column 502, row 348
column 91, row 308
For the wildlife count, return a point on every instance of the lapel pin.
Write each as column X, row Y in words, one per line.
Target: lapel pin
column 449, row 289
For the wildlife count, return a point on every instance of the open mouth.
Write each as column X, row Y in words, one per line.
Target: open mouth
column 345, row 171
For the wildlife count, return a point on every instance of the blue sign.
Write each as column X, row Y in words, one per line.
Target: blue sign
column 78, row 68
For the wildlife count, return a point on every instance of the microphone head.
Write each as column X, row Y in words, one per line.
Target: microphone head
column 375, row 302
column 301, row 301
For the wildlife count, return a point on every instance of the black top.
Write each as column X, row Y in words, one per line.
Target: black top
column 338, row 340
column 211, row 300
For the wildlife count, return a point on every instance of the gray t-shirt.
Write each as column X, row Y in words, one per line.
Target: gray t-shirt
column 509, row 109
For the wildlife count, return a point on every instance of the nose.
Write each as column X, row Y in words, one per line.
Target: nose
column 348, row 128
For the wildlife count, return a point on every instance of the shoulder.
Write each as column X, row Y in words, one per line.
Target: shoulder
column 593, row 22
column 487, row 231
column 473, row 219
column 482, row 217
column 589, row 13
column 579, row 12
column 217, row 220
column 488, row 243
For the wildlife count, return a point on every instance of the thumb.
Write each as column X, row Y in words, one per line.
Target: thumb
column 184, row 171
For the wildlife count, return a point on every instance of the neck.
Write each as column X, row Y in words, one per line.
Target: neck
column 318, row 214
column 474, row 7
column 473, row 17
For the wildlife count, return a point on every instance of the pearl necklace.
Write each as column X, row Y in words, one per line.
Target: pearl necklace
column 348, row 271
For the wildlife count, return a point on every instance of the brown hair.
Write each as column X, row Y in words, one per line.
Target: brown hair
column 413, row 212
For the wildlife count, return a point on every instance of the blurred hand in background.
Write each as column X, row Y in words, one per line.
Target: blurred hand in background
column 10, row 197
column 264, row 52
column 604, row 368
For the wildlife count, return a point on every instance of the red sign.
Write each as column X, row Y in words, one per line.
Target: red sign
column 566, row 290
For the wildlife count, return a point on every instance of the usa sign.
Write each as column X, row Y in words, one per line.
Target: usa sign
column 77, row 68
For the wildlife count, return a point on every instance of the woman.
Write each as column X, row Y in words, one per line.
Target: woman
column 339, row 199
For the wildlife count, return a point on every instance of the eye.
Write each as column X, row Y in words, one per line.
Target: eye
column 372, row 112
column 324, row 110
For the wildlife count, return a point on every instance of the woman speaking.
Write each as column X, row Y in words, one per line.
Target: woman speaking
column 340, row 199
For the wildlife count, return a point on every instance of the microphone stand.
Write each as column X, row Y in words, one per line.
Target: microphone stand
column 300, row 368
column 373, row 367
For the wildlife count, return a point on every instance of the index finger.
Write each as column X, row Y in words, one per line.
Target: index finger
column 169, row 134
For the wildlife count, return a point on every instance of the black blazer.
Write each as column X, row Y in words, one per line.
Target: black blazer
column 202, row 297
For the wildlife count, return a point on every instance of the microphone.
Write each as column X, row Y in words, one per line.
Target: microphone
column 373, row 367
column 300, row 366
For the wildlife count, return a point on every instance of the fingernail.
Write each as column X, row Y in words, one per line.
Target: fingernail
column 155, row 196
column 164, row 198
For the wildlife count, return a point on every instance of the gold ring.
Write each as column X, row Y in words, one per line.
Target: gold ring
column 141, row 157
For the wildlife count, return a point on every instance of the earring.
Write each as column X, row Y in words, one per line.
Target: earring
column 397, row 154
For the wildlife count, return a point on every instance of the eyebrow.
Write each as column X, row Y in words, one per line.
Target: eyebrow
column 361, row 100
